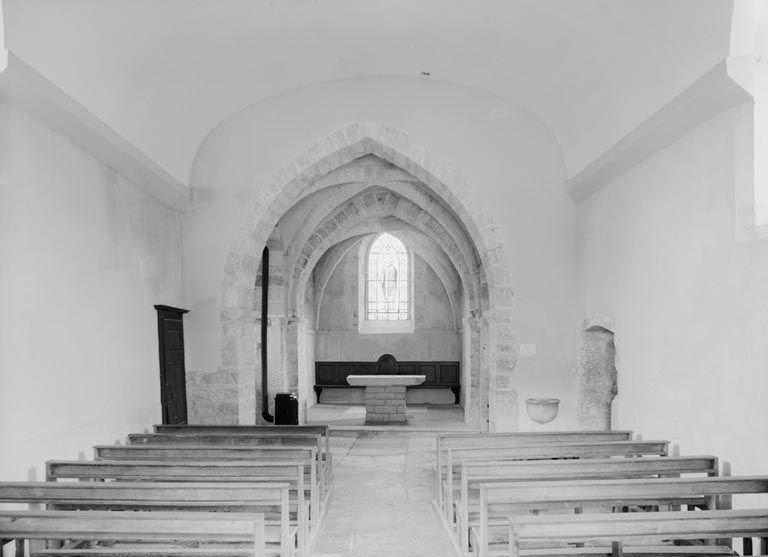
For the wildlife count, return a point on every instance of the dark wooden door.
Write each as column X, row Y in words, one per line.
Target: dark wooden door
column 173, row 381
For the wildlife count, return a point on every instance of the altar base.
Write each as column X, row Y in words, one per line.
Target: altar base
column 385, row 396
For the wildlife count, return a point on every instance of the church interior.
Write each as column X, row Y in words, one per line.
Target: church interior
column 395, row 278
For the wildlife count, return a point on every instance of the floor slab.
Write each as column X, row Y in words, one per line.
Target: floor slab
column 427, row 417
column 382, row 499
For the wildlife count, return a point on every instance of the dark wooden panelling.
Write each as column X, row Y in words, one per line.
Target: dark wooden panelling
column 407, row 369
column 449, row 373
column 326, row 373
column 438, row 374
column 334, row 374
column 429, row 370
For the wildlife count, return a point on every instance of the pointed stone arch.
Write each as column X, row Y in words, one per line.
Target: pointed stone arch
column 292, row 182
column 378, row 204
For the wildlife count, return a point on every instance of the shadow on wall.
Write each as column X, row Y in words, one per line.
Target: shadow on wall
column 597, row 378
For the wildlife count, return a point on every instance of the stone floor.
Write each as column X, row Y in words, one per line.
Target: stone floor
column 381, row 503
column 426, row 417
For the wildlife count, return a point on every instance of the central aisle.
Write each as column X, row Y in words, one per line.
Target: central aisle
column 382, row 499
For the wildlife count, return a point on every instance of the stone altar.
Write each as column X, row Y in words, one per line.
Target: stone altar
column 385, row 395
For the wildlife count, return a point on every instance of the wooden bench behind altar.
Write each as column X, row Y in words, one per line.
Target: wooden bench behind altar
column 439, row 374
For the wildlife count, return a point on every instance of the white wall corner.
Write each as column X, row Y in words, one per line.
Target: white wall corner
column 21, row 86
column 708, row 96
column 2, row 28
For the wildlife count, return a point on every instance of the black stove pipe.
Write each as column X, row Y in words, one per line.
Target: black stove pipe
column 264, row 301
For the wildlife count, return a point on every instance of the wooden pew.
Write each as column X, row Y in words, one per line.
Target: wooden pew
column 168, row 532
column 634, row 551
column 474, row 473
column 577, row 449
column 269, row 499
column 298, row 439
column 458, row 440
column 143, row 550
column 293, row 472
column 498, row 500
column 218, row 453
column 623, row 528
column 323, row 430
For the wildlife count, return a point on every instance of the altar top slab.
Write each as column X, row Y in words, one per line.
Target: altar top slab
column 385, row 380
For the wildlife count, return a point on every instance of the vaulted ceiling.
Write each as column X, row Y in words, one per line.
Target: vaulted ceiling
column 163, row 73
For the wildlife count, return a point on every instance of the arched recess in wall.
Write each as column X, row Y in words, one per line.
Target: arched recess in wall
column 475, row 251
column 597, row 374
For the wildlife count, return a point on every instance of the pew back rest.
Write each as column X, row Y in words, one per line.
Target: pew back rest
column 169, row 470
column 244, row 494
column 589, row 449
column 300, row 440
column 323, row 430
column 154, row 526
column 612, row 527
column 497, row 498
column 605, row 468
column 528, row 438
column 203, row 452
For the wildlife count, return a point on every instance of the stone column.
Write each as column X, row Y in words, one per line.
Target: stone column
column 597, row 378
column 502, row 396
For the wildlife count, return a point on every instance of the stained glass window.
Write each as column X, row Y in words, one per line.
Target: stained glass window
column 387, row 295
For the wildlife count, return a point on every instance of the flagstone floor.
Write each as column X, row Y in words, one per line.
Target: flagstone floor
column 381, row 504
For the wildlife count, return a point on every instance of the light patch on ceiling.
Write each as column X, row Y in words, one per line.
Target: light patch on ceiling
column 501, row 111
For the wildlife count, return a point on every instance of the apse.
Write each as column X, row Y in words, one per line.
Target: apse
column 370, row 262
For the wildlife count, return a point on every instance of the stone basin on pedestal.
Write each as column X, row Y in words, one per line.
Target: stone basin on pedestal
column 385, row 395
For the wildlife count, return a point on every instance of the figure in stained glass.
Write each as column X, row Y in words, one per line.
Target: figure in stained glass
column 387, row 279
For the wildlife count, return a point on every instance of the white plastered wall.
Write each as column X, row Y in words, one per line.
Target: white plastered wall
column 660, row 256
column 84, row 255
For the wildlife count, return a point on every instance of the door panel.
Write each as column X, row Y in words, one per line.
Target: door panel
column 173, row 381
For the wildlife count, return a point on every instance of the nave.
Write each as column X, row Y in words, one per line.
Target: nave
column 216, row 490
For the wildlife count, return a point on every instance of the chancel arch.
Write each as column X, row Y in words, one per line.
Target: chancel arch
column 493, row 403
column 377, row 209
